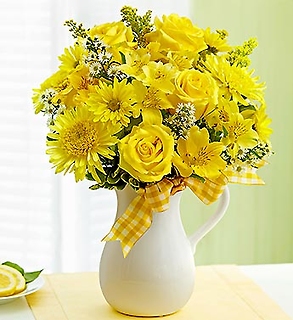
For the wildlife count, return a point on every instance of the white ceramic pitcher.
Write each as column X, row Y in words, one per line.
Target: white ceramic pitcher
column 157, row 277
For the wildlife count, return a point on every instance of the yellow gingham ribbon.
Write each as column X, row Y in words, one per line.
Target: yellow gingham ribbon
column 137, row 218
column 247, row 176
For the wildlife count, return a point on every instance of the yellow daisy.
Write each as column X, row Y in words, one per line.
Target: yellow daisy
column 77, row 141
column 71, row 59
column 114, row 103
column 217, row 42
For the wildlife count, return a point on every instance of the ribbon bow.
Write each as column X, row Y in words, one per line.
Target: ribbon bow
column 137, row 218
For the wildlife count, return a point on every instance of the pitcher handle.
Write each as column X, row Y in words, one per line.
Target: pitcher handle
column 212, row 221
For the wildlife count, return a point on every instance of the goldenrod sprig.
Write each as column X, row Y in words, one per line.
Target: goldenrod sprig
column 140, row 25
column 239, row 55
column 76, row 30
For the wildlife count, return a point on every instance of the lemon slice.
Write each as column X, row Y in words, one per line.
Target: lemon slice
column 20, row 281
column 7, row 283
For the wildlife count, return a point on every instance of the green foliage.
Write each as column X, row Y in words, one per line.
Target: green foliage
column 115, row 178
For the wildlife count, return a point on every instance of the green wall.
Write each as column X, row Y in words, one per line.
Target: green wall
column 258, row 227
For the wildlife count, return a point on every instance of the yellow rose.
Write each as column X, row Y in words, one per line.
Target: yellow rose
column 146, row 153
column 198, row 88
column 177, row 33
column 112, row 33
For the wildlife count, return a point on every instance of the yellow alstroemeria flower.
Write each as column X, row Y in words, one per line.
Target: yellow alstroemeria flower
column 146, row 153
column 159, row 75
column 135, row 60
column 80, row 80
column 182, row 60
column 239, row 134
column 77, row 141
column 150, row 97
column 222, row 114
column 197, row 156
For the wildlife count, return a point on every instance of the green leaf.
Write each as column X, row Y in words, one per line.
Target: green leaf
column 28, row 276
column 95, row 187
column 198, row 177
column 122, row 57
column 248, row 107
column 225, row 132
column 14, row 265
column 31, row 276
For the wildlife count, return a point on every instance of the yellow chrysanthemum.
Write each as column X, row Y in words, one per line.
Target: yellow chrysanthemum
column 217, row 42
column 77, row 141
column 239, row 134
column 45, row 96
column 71, row 59
column 262, row 122
column 235, row 82
column 114, row 103
column 197, row 155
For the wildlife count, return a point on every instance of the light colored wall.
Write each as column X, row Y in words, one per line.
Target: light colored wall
column 258, row 227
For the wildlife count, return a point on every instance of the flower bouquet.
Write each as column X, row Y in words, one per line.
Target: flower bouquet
column 143, row 103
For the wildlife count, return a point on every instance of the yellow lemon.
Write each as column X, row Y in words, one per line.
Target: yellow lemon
column 7, row 283
column 20, row 281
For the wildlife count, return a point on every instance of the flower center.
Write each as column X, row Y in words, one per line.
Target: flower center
column 159, row 75
column 149, row 150
column 223, row 116
column 238, row 130
column 114, row 104
column 80, row 138
column 201, row 159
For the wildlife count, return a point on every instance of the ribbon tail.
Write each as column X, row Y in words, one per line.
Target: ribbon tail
column 249, row 177
column 132, row 225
